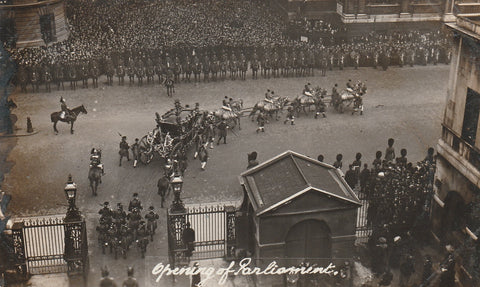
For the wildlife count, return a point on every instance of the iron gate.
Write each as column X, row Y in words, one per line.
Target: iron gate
column 39, row 246
column 214, row 227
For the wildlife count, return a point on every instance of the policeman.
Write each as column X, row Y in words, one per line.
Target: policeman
column 124, row 147
column 135, row 203
column 106, row 281
column 130, row 281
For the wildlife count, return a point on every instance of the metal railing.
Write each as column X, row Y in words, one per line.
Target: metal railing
column 463, row 148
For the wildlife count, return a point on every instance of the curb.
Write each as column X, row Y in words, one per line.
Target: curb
column 19, row 134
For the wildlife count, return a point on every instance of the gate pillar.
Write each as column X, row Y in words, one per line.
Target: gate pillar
column 17, row 261
column 231, row 238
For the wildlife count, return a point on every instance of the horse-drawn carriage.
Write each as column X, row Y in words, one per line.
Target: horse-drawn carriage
column 350, row 97
column 175, row 132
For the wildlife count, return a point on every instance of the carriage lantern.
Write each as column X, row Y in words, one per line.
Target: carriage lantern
column 177, row 204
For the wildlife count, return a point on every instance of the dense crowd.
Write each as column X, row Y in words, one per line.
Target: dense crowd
column 208, row 37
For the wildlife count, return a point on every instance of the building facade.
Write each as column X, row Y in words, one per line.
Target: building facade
column 381, row 13
column 30, row 23
column 455, row 214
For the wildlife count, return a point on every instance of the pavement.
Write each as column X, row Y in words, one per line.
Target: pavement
column 403, row 103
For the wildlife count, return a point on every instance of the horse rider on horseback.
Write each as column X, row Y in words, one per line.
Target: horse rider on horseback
column 269, row 97
column 65, row 111
column 96, row 159
column 226, row 105
column 307, row 91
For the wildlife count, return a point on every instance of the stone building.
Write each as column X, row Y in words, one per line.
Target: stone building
column 456, row 204
column 30, row 23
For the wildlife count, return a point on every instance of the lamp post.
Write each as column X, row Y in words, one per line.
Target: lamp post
column 177, row 204
column 73, row 214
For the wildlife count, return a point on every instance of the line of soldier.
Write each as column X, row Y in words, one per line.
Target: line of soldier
column 211, row 64
column 118, row 230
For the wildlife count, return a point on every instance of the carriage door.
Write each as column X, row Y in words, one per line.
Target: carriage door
column 308, row 240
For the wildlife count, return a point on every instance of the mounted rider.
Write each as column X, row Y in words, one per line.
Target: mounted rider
column 307, row 90
column 65, row 110
column 226, row 105
column 269, row 97
column 96, row 159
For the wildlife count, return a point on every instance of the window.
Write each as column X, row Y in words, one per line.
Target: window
column 470, row 118
column 7, row 31
column 47, row 27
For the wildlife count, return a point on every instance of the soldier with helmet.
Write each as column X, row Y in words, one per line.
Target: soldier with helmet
column 135, row 203
column 130, row 281
column 151, row 218
column 106, row 280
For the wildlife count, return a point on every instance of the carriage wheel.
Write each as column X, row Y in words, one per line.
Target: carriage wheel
column 145, row 156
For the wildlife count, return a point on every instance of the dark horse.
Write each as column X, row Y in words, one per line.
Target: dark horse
column 95, row 177
column 71, row 118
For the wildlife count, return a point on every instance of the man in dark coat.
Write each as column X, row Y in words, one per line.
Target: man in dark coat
column 124, row 147
column 222, row 132
column 351, row 177
column 252, row 160
column 188, row 238
column 136, row 152
column 364, row 176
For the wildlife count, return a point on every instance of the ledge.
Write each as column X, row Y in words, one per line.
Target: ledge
column 29, row 5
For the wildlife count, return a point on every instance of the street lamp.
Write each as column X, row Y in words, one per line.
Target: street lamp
column 177, row 204
column 71, row 194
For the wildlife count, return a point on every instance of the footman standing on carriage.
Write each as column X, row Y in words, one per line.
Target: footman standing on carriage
column 124, row 147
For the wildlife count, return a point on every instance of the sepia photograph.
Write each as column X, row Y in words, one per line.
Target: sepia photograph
column 208, row 143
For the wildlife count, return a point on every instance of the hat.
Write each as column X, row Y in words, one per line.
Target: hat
column 135, row 194
column 136, row 139
column 151, row 208
column 106, row 203
column 124, row 137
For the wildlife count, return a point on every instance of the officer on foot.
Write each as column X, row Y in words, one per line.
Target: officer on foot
column 222, row 132
column 136, row 152
column 290, row 116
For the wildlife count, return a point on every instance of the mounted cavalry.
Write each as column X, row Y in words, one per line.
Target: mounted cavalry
column 96, row 170
column 231, row 112
column 66, row 115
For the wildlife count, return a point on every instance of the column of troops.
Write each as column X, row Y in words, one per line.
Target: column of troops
column 212, row 64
